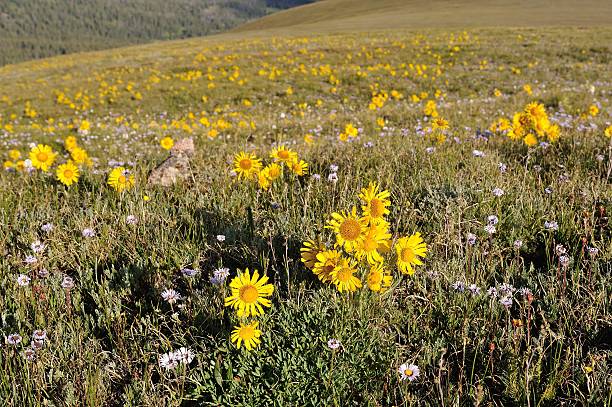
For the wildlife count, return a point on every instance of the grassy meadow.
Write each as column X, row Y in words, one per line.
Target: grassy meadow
column 493, row 144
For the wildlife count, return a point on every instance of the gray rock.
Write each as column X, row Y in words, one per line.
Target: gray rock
column 175, row 168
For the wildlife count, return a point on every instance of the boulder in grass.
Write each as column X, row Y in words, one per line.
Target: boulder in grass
column 175, row 168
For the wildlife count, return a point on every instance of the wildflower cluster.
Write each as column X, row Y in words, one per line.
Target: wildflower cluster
column 248, row 167
column 42, row 157
column 532, row 125
column 362, row 246
column 350, row 132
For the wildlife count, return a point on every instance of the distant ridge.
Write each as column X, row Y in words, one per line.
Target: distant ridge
column 40, row 28
column 355, row 15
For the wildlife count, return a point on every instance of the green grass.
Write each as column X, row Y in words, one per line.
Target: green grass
column 105, row 337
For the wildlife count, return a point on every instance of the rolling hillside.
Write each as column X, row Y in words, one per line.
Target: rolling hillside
column 40, row 28
column 350, row 15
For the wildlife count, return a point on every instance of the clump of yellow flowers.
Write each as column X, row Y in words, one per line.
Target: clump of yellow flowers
column 362, row 248
column 531, row 125
column 247, row 166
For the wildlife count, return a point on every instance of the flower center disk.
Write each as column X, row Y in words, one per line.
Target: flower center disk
column 245, row 164
column 407, row 255
column 350, row 229
column 249, row 294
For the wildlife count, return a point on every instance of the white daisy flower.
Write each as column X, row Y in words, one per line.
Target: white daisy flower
column 409, row 372
column 498, row 192
column 23, row 280
column 37, row 246
column 551, row 225
column 333, row 343
column 13, row 339
column 184, row 355
column 189, row 272
column 47, row 227
column 39, row 335
column 29, row 259
column 506, row 301
column 168, row 361
column 478, row 153
column 29, row 354
column 474, row 289
column 171, row 296
column 219, row 276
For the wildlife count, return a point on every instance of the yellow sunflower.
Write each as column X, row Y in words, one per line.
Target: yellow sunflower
column 68, row 173
column 273, row 171
column 374, row 241
column 42, row 157
column 351, row 131
column 516, row 132
column 343, row 276
column 541, row 125
column 326, row 262
column 376, row 203
column 248, row 294
column 309, row 251
column 439, row 124
column 283, row 154
column 536, row 110
column 262, row 180
column 14, row 155
column 80, row 156
column 166, row 143
column 299, row 167
column 246, row 165
column 120, row 179
column 348, row 227
column 503, row 124
column 409, row 249
column 378, row 278
column 552, row 133
column 268, row 175
column 70, row 142
column 523, row 120
column 247, row 333
column 530, row 140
